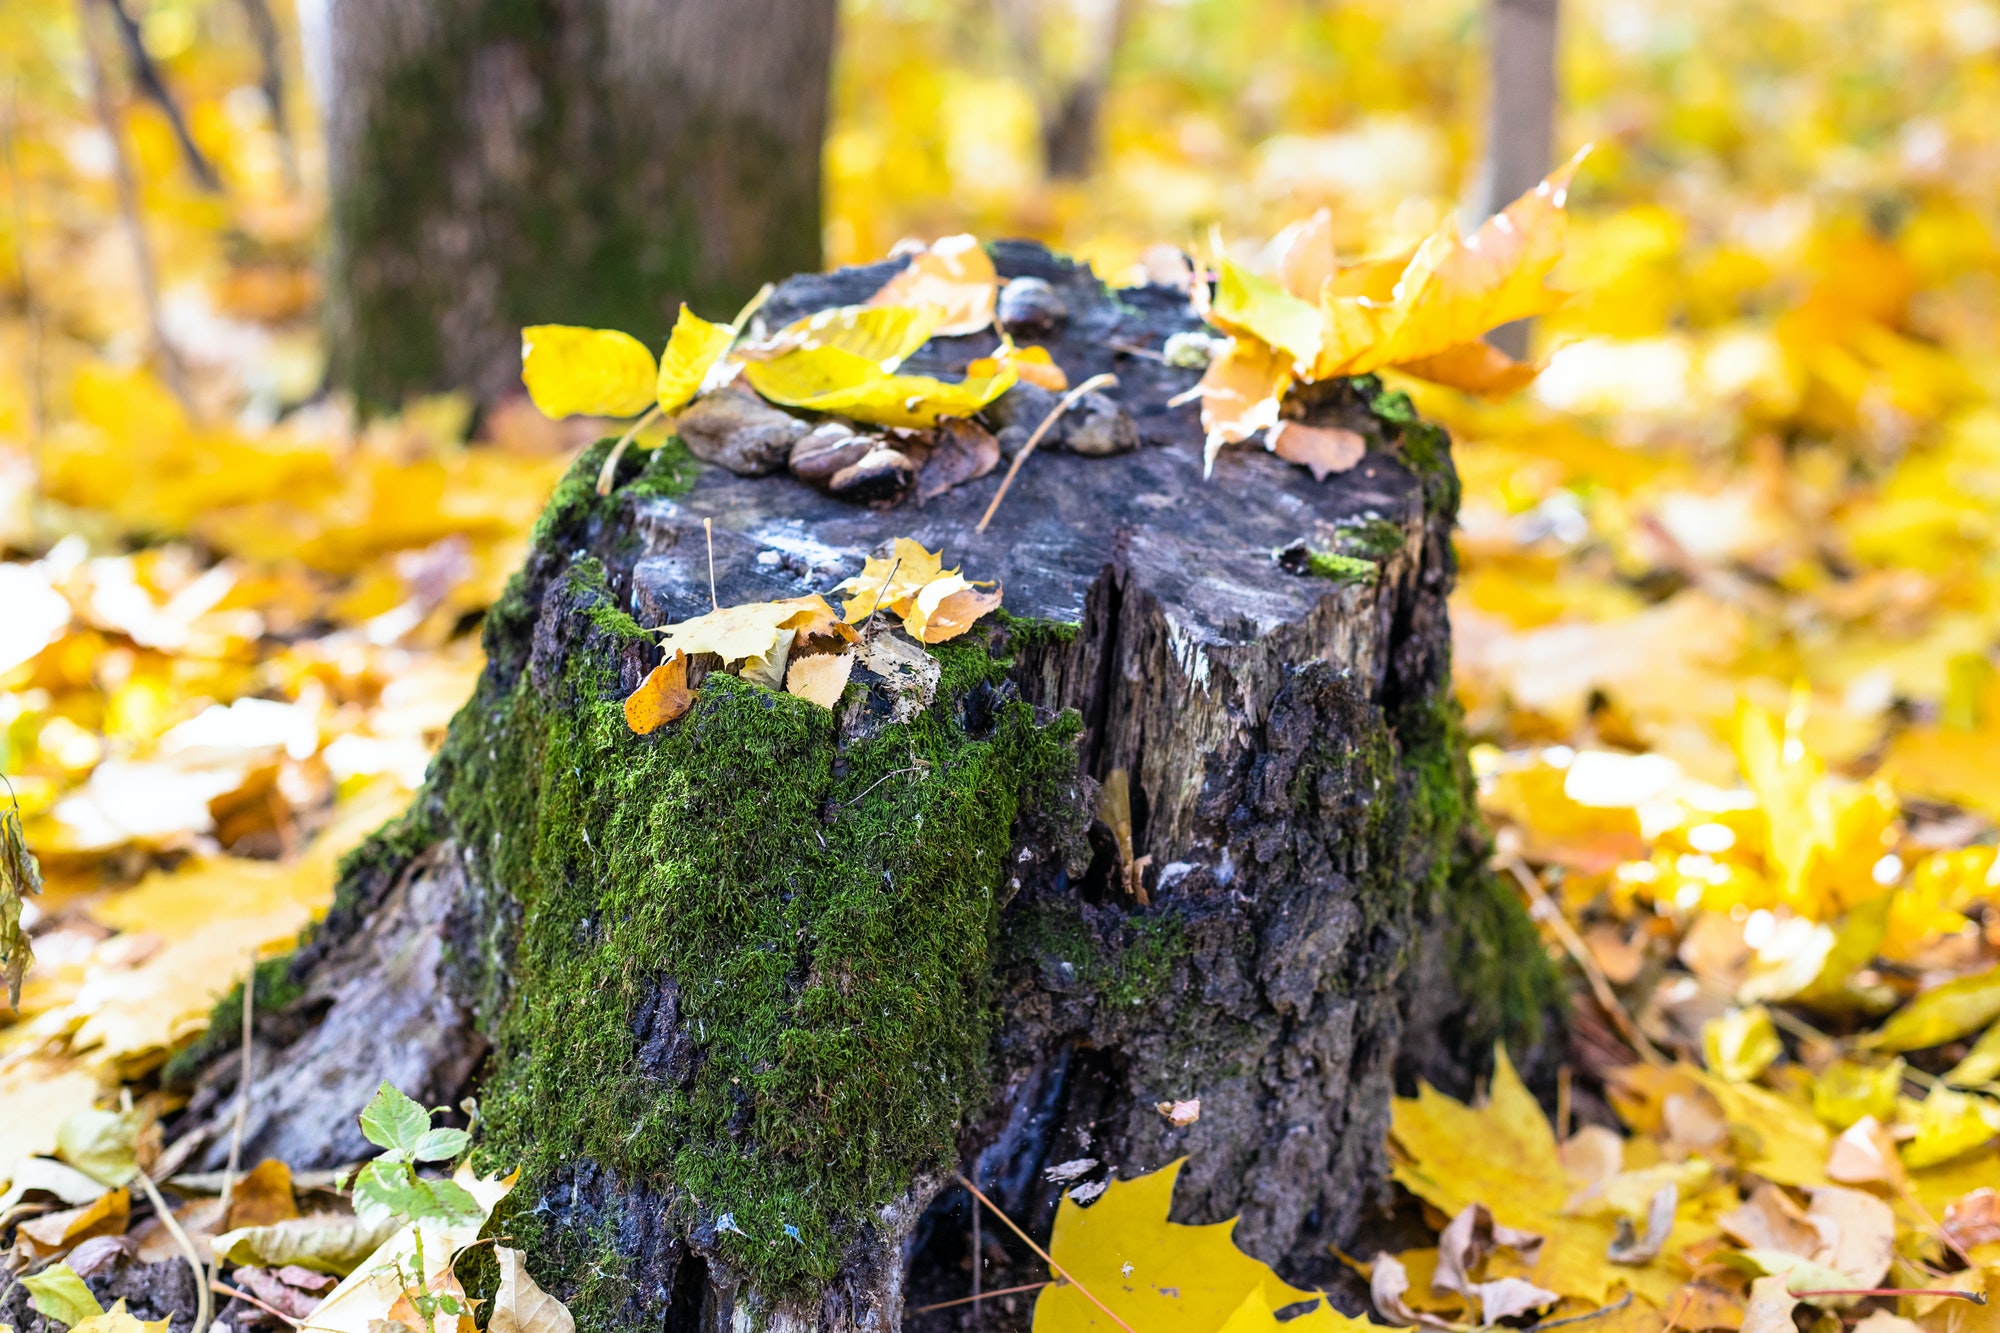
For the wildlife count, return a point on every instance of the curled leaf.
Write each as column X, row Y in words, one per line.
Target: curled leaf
column 1945, row 1013
column 520, row 1305
column 571, row 371
column 1322, row 450
column 753, row 640
column 692, row 351
column 1240, row 393
column 20, row 879
column 948, row 607
column 831, row 379
column 661, row 697
column 883, row 335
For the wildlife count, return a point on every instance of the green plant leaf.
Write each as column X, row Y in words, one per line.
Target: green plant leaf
column 440, row 1145
column 448, row 1202
column 59, row 1293
column 394, row 1122
column 385, row 1189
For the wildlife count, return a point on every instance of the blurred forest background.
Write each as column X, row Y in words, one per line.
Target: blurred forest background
column 1730, row 581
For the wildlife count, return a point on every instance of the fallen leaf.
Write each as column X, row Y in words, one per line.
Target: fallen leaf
column 1180, row 1114
column 820, row 678
column 59, row 1293
column 54, row 1233
column 692, row 351
column 20, row 879
column 1860, row 1231
column 891, row 581
column 1240, row 392
column 1506, row 1297
column 965, row 451
column 262, row 1196
column 1324, row 450
column 1645, row 1247
column 1770, row 1307
column 1802, row 1276
column 1463, row 1249
column 661, row 697
column 1981, row 1063
column 371, row 1291
column 829, row 379
column 1973, row 1219
column 753, row 640
column 520, row 1306
column 334, row 1243
column 1032, row 365
column 1845, row 1092
column 1769, row 1220
column 1944, row 1013
column 118, row 1320
column 1741, row 1044
column 65, row 1182
column 101, row 1144
column 1476, row 367
column 948, row 607
column 1388, row 1285
column 1153, row 1273
column 1593, row 1155
column 1250, row 305
column 1865, row 1154
column 953, row 275
column 571, row 371
column 1885, row 1321
column 1950, row 1123
column 883, row 335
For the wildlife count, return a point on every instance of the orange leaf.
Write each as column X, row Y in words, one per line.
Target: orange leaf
column 661, row 697
column 1323, row 449
column 954, row 276
column 1474, row 367
column 1240, row 392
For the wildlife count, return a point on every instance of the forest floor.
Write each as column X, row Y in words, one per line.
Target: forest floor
column 1725, row 625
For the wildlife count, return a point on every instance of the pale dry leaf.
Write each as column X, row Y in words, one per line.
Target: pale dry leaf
column 1769, row 1220
column 1388, row 1283
column 955, row 277
column 821, row 678
column 521, row 1306
column 1626, row 1248
column 1468, row 1240
column 1323, row 450
column 948, row 607
column 1865, row 1154
column 1886, row 1321
column 1506, row 1297
column 1593, row 1155
column 1973, row 1219
column 1180, row 1113
column 334, row 1243
column 1860, row 1230
column 1770, row 1307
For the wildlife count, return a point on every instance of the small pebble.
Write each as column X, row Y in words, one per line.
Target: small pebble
column 884, row 474
column 1030, row 307
column 740, row 431
column 828, row 448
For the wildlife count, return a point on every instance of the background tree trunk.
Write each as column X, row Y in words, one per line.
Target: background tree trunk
column 1520, row 121
column 495, row 163
column 738, row 996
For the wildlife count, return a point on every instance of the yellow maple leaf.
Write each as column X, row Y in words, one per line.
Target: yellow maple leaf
column 883, row 334
column 571, row 371
column 1504, row 1155
column 1476, row 367
column 1454, row 291
column 955, row 276
column 936, row 604
column 1164, row 1277
column 753, row 640
column 1251, row 304
column 1240, row 393
column 692, row 351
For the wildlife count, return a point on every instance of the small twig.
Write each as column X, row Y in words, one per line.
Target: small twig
column 204, row 1306
column 128, row 209
column 978, row 1260
column 1600, row 985
column 1069, row 400
column 708, row 526
column 1043, row 1254
column 882, row 591
column 240, row 1295
column 1976, row 1297
column 914, row 768
column 1598, row 1313
column 969, row 1300
column 608, row 474
column 145, row 74
column 1133, row 349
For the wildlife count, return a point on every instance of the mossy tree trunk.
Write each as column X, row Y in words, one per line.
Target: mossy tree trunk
column 496, row 163
column 739, row 996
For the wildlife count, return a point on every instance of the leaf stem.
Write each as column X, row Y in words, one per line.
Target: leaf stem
column 967, row 1300
column 1976, row 1297
column 608, row 474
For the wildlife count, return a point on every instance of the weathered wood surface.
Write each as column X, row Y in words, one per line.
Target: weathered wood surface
column 1297, row 786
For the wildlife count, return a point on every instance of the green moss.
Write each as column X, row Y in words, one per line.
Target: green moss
column 1132, row 969
column 1029, row 634
column 1340, row 568
column 827, row 917
column 275, row 990
column 1370, row 539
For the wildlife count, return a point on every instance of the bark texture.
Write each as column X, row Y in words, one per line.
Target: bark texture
column 1266, row 657
column 496, row 163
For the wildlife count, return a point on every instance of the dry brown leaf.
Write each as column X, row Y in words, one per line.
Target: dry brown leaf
column 948, row 607
column 1466, row 1243
column 53, row 1234
column 662, row 697
column 1865, row 1154
column 1860, row 1231
column 966, row 451
column 1770, row 1307
column 520, row 1306
column 263, row 1196
column 1627, row 1248
column 1973, row 1219
column 820, row 678
column 1324, row 450
column 1769, row 1220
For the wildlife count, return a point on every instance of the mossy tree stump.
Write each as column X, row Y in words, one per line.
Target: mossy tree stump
column 740, row 995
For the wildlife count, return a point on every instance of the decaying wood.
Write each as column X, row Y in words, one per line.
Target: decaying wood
column 1268, row 723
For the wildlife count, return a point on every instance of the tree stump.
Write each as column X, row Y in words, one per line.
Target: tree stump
column 740, row 995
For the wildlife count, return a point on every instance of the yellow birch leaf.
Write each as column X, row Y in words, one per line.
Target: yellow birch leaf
column 954, row 276
column 835, row 380
column 883, row 335
column 820, row 678
column 692, row 350
column 947, row 607
column 1943, row 1014
column 1240, row 393
column 59, row 1293
column 571, row 371
column 1156, row 1275
column 1949, row 1124
column 1250, row 304
column 661, row 697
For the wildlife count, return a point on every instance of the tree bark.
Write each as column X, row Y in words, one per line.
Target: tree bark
column 497, row 163
column 1520, row 120
column 726, row 1133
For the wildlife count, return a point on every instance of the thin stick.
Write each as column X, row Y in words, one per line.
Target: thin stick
column 146, row 77
column 242, row 1114
column 882, row 591
column 1069, row 400
column 1600, row 985
column 228, row 1290
column 608, row 474
column 1976, row 1297
column 204, row 1305
column 974, row 1300
column 1057, row 1268
column 128, row 209
column 978, row 1261
column 708, row 526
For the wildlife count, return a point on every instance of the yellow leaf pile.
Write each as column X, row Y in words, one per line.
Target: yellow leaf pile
column 936, row 604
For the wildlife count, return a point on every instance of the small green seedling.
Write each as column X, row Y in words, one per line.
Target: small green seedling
column 389, row 1187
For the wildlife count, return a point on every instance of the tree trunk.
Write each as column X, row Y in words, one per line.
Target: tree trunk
column 1520, row 120
column 740, row 995
column 496, row 163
